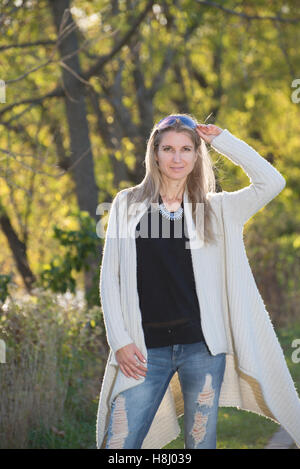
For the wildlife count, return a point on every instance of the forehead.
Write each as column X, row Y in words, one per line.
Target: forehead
column 176, row 138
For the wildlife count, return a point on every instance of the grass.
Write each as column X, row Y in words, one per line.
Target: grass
column 76, row 430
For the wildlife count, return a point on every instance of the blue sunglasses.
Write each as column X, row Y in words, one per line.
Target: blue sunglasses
column 169, row 120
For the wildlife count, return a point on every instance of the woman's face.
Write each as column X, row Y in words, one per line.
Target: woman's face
column 176, row 155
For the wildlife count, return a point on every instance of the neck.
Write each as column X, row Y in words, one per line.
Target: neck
column 172, row 193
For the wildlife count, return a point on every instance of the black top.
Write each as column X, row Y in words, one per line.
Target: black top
column 165, row 279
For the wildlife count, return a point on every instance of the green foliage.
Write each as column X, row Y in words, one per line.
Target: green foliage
column 4, row 282
column 273, row 249
column 78, row 245
column 191, row 57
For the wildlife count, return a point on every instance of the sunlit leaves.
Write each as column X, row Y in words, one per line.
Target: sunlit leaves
column 242, row 70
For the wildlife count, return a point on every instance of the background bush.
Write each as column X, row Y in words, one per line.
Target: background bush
column 54, row 361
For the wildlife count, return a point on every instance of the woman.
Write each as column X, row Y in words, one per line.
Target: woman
column 166, row 269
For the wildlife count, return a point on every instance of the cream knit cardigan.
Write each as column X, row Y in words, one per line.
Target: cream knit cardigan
column 233, row 315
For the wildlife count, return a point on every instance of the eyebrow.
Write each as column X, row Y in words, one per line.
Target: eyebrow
column 168, row 145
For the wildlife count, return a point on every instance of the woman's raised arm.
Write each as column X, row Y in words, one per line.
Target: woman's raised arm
column 266, row 180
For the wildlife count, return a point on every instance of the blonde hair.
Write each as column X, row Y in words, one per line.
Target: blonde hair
column 199, row 182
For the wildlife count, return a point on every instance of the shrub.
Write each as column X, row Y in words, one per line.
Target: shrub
column 55, row 353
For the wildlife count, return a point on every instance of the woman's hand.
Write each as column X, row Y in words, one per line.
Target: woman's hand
column 129, row 358
column 208, row 132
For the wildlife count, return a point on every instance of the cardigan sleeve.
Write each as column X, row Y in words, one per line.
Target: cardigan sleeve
column 266, row 181
column 109, row 285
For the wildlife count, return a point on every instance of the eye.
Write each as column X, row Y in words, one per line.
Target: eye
column 168, row 148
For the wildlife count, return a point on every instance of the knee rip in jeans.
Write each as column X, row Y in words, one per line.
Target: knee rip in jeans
column 119, row 424
column 206, row 396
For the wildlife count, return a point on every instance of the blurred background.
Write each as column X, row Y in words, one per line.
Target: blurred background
column 81, row 85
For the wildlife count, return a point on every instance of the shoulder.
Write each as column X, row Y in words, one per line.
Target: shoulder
column 130, row 193
column 124, row 191
column 214, row 197
column 121, row 195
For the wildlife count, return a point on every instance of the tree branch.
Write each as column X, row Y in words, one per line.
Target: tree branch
column 28, row 44
column 96, row 68
column 59, row 92
column 56, row 93
column 248, row 17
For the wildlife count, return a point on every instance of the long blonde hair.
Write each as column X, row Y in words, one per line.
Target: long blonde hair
column 199, row 182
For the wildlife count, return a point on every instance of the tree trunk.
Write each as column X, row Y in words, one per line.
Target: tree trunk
column 18, row 249
column 81, row 159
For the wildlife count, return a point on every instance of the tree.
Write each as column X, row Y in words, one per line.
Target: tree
column 81, row 100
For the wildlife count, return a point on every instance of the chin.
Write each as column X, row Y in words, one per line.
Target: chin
column 177, row 176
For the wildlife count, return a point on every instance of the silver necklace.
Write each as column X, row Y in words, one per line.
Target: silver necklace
column 171, row 215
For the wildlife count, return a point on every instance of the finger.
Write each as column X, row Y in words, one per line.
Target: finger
column 140, row 356
column 135, row 367
column 130, row 371
column 138, row 369
column 142, row 370
column 205, row 126
column 122, row 368
column 140, row 366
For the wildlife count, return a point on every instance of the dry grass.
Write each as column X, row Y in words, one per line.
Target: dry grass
column 49, row 351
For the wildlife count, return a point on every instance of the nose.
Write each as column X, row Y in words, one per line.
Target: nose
column 177, row 157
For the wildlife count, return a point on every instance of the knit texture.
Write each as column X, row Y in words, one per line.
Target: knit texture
column 233, row 315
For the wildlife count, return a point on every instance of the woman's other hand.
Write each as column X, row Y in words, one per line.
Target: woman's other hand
column 208, row 132
column 130, row 358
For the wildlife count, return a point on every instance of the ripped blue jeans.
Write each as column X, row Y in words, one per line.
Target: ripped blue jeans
column 200, row 375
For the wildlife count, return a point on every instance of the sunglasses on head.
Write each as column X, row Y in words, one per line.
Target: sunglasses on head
column 169, row 120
